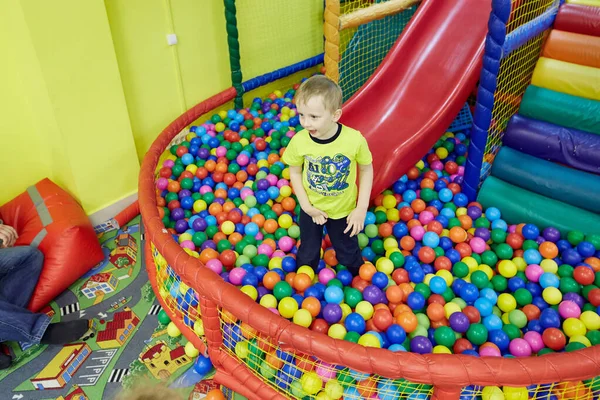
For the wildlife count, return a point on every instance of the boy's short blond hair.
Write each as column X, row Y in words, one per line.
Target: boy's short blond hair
column 320, row 85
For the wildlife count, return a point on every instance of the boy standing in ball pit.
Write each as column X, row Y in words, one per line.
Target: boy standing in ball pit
column 323, row 160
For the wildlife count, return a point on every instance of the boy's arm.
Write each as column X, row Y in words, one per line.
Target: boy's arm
column 318, row 216
column 356, row 219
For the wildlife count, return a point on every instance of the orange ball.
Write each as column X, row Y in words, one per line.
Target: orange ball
column 367, row 388
column 270, row 279
column 418, row 205
column 436, row 312
column 273, row 360
column 408, row 321
column 394, row 294
column 465, row 221
column 531, row 312
column 329, row 258
column 289, row 278
column 426, row 254
column 407, row 243
column 458, row 234
column 385, row 230
column 312, row 305
column 208, row 254
column 367, row 271
column 215, row 394
column 288, row 204
column 548, row 250
column 301, row 282
column 270, row 226
column 382, row 319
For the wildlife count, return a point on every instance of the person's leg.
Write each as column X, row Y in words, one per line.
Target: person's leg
column 21, row 325
column 346, row 248
column 20, row 269
column 311, row 236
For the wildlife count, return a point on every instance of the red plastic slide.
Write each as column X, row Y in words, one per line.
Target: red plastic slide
column 420, row 87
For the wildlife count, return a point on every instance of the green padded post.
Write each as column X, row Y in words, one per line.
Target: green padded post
column 519, row 205
column 234, row 51
column 561, row 109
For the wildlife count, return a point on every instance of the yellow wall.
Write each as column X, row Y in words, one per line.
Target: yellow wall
column 86, row 86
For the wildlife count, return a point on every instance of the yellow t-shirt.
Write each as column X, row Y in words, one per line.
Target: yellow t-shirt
column 329, row 173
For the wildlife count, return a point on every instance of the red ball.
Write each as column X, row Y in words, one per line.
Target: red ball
column 406, row 214
column 554, row 339
column 228, row 258
column 515, row 240
column 382, row 319
column 400, row 275
column 181, row 150
column 461, row 345
column 451, row 167
column 165, row 172
column 584, row 275
column 320, row 325
column 472, row 313
column 426, row 254
column 594, row 297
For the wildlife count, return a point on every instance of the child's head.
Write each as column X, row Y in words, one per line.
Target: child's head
column 145, row 389
column 319, row 104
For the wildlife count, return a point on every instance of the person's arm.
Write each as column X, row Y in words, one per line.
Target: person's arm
column 319, row 217
column 356, row 219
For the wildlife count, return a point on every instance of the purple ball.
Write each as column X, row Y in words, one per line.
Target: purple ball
column 262, row 291
column 575, row 298
column 459, row 322
column 332, row 313
column 181, row 226
column 372, row 294
column 177, row 214
column 184, row 193
column 483, row 233
column 474, row 212
column 262, row 184
column 551, row 234
column 225, row 276
column 540, row 240
column 203, row 153
column 220, row 201
column 421, row 345
column 209, row 244
column 199, row 225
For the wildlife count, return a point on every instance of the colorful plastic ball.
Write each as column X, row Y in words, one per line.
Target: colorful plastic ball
column 334, row 294
column 163, row 317
column 190, row 350
column 519, row 348
column 569, row 309
column 421, row 345
column 173, row 330
column 203, row 365
column 552, row 295
column 591, row 320
column 287, row 307
column 574, row 327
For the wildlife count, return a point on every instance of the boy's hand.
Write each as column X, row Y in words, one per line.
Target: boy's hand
column 8, row 235
column 319, row 217
column 356, row 221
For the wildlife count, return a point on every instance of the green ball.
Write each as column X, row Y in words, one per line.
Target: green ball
column 177, row 170
column 261, row 259
column 512, row 331
column 490, row 258
column 280, row 232
column 335, row 282
column 594, row 239
column 163, row 318
column 565, row 271
column 423, row 289
column 504, row 251
column 477, row 257
column 523, row 297
column 460, row 269
column 545, row 350
column 453, row 222
column 223, row 245
column 352, row 296
column 444, row 336
column 479, row 279
column 212, row 231
column 573, row 346
column 568, row 285
column 594, row 337
column 448, row 294
column 208, row 197
column 377, row 246
column 196, row 196
column 344, row 377
column 517, row 318
column 498, row 236
column 439, row 252
column 294, row 231
column 371, row 231
column 282, row 289
column 397, row 259
column 199, row 238
column 477, row 334
column 239, row 246
column 575, row 237
column 352, row 336
column 170, row 197
column 380, row 217
column 482, row 222
column 428, row 195
column 187, row 183
column 530, row 244
column 173, row 149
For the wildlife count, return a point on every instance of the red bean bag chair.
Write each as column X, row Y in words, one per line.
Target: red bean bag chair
column 47, row 217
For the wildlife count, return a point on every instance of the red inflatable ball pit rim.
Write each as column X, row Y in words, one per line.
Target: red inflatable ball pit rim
column 448, row 372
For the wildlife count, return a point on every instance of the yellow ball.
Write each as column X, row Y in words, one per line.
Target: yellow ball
column 199, row 327
column 303, row 318
column 389, row 201
column 228, row 227
column 574, row 327
column 222, row 114
column 192, row 168
column 507, row 302
column 390, row 244
column 241, row 349
column 591, row 320
column 505, row 319
column 219, row 127
column 439, row 349
column 199, row 205
column 250, row 291
column 460, row 211
column 346, row 310
column 492, row 393
column 446, row 275
column 428, row 278
column 268, row 301
column 286, row 173
column 244, row 142
column 244, row 208
column 285, row 191
column 420, row 164
column 287, row 307
column 369, row 340
column 380, row 208
column 173, row 330
column 275, row 263
column 486, row 269
column 190, row 350
column 520, row 263
column 184, row 236
column 450, row 308
column 581, row 339
column 471, row 263
column 337, row 331
column 507, row 268
column 365, row 309
column 334, row 389
column 515, row 393
column 393, row 214
column 552, row 295
column 549, row 265
column 311, row 383
column 441, row 152
column 285, row 221
column 385, row 265
column 305, row 269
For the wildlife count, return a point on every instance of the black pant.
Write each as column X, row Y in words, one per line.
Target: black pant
column 346, row 248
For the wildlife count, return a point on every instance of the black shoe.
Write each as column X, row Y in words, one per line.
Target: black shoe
column 66, row 332
column 5, row 360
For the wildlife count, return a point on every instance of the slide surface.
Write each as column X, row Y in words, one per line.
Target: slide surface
column 422, row 84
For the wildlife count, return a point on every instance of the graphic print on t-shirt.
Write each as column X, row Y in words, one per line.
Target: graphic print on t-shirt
column 328, row 175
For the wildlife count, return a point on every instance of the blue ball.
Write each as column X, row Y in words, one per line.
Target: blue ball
column 416, row 301
column 380, row 280
column 354, row 322
column 334, row 294
column 530, row 232
column 396, row 334
column 499, row 338
column 203, row 365
column 484, row 306
column 345, row 277
column 469, row 292
column 431, row 239
column 438, row 285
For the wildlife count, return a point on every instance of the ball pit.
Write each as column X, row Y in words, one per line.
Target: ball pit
column 441, row 275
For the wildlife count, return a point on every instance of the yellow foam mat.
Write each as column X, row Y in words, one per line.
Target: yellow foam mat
column 564, row 77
